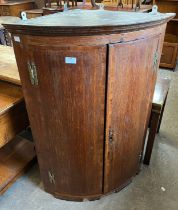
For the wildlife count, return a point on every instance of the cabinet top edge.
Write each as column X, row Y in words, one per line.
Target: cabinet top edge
column 88, row 22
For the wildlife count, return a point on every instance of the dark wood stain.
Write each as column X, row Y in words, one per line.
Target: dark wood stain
column 74, row 97
column 127, row 105
column 75, row 107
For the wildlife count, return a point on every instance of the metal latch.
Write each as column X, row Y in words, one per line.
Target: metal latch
column 51, row 177
column 110, row 135
column 33, row 73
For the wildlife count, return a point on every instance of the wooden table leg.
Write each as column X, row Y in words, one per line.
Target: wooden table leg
column 152, row 132
column 161, row 116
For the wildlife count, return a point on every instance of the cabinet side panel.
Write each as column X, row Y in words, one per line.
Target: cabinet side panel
column 132, row 72
column 66, row 112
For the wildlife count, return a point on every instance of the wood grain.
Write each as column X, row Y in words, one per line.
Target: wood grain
column 70, row 98
column 14, row 8
column 74, row 105
column 169, row 55
column 8, row 67
column 15, row 158
column 13, row 115
column 160, row 92
column 34, row 13
column 167, row 6
column 158, row 105
column 129, row 92
column 10, row 96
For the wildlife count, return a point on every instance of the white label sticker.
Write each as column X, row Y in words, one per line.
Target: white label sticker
column 70, row 60
column 16, row 38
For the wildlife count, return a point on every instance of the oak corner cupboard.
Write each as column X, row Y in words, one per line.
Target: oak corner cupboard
column 88, row 86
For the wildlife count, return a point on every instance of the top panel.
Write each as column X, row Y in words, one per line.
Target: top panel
column 88, row 22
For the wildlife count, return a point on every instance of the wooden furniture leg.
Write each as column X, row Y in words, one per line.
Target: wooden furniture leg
column 137, row 6
column 161, row 116
column 57, row 1
column 152, row 132
column 120, row 4
column 47, row 3
column 158, row 105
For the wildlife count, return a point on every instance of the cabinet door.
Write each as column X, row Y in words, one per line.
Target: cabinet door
column 66, row 111
column 131, row 79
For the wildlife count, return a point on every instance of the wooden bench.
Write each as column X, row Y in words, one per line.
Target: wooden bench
column 158, row 105
column 16, row 153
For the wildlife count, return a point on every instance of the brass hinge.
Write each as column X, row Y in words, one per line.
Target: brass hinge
column 33, row 73
column 155, row 60
column 51, row 177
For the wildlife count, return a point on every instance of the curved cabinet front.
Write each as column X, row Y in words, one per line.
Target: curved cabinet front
column 131, row 79
column 88, row 100
column 66, row 111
